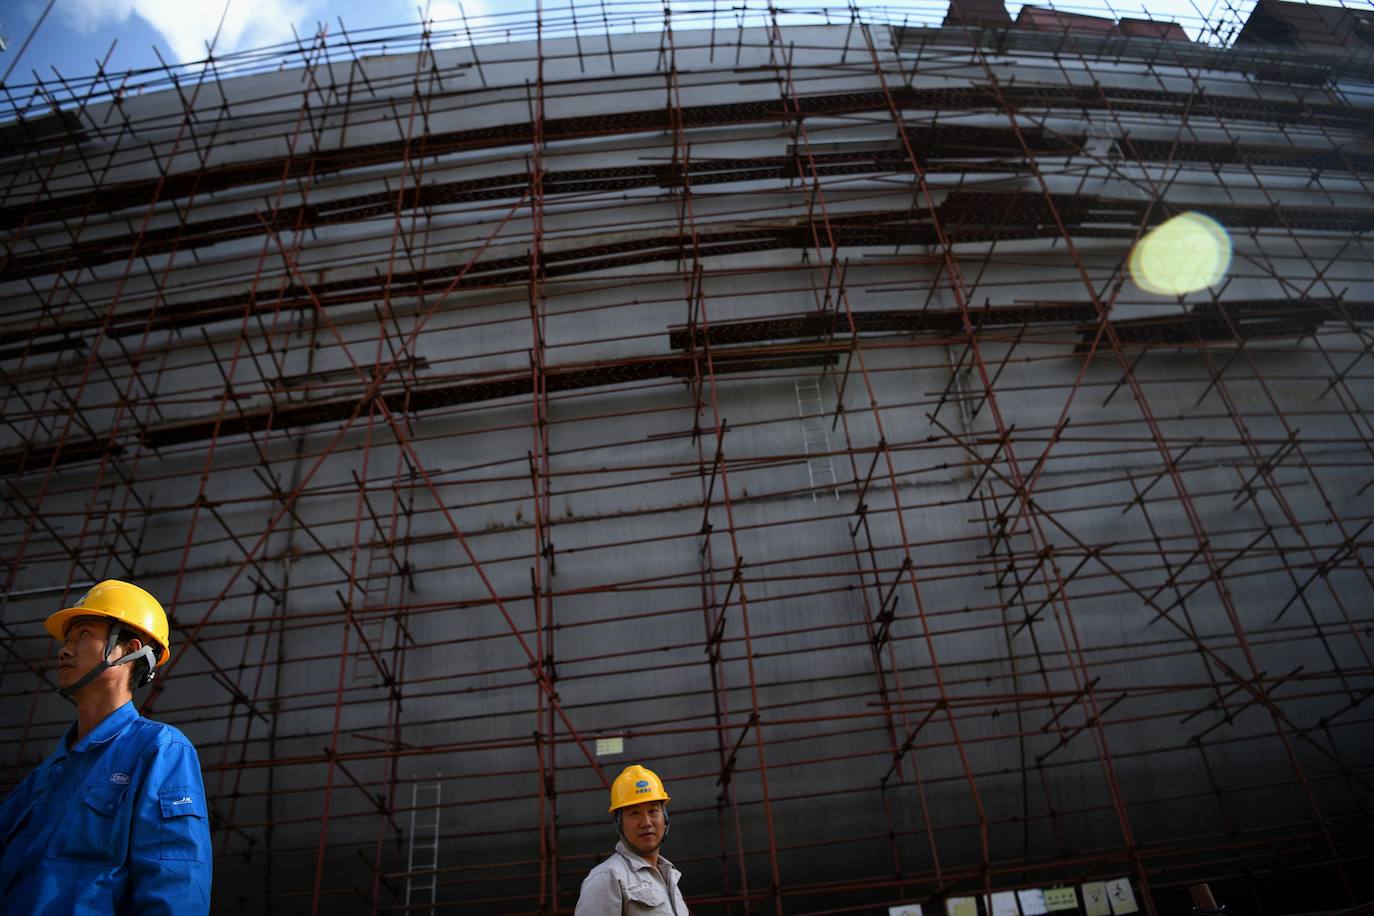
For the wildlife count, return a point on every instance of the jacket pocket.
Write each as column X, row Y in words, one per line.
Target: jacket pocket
column 94, row 831
column 183, row 820
column 646, row 894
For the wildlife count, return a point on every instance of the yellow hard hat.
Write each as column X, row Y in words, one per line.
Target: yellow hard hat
column 122, row 601
column 636, row 785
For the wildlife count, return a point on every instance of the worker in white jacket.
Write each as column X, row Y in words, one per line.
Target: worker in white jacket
column 635, row 880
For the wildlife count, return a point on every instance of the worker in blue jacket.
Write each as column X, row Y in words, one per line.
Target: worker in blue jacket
column 115, row 821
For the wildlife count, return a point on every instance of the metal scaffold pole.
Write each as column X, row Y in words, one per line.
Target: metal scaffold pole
column 782, row 397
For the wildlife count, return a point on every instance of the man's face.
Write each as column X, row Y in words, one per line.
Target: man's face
column 83, row 649
column 643, row 826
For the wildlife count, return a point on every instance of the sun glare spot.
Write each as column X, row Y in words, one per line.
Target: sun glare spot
column 1187, row 253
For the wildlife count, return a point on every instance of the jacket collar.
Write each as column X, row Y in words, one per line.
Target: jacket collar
column 639, row 861
column 109, row 728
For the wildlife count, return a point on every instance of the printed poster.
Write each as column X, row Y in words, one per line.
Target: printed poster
column 1032, row 902
column 1095, row 902
column 1003, row 904
column 1122, row 897
column 1061, row 898
column 961, row 906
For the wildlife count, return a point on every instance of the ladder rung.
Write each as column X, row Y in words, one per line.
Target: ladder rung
column 424, row 837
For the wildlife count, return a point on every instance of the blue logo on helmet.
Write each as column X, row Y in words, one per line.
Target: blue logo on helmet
column 642, row 784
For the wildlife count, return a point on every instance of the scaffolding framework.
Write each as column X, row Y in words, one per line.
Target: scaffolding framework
column 760, row 393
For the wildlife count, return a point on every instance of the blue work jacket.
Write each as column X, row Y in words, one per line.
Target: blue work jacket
column 115, row 824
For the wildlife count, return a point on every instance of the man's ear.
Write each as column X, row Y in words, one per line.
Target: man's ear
column 131, row 647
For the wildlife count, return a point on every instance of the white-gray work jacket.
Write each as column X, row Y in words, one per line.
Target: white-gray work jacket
column 626, row 885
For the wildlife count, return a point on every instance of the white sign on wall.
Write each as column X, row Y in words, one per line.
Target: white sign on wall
column 1121, row 896
column 1032, row 902
column 1095, row 901
column 1003, row 904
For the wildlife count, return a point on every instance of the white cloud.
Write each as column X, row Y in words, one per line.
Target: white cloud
column 444, row 14
column 88, row 16
column 440, row 10
column 189, row 25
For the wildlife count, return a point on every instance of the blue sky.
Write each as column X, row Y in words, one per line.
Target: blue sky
column 76, row 34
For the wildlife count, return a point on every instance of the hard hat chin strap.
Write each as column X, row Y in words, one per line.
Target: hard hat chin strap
column 146, row 653
column 149, row 655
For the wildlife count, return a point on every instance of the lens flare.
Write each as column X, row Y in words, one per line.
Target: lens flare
column 1187, row 253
